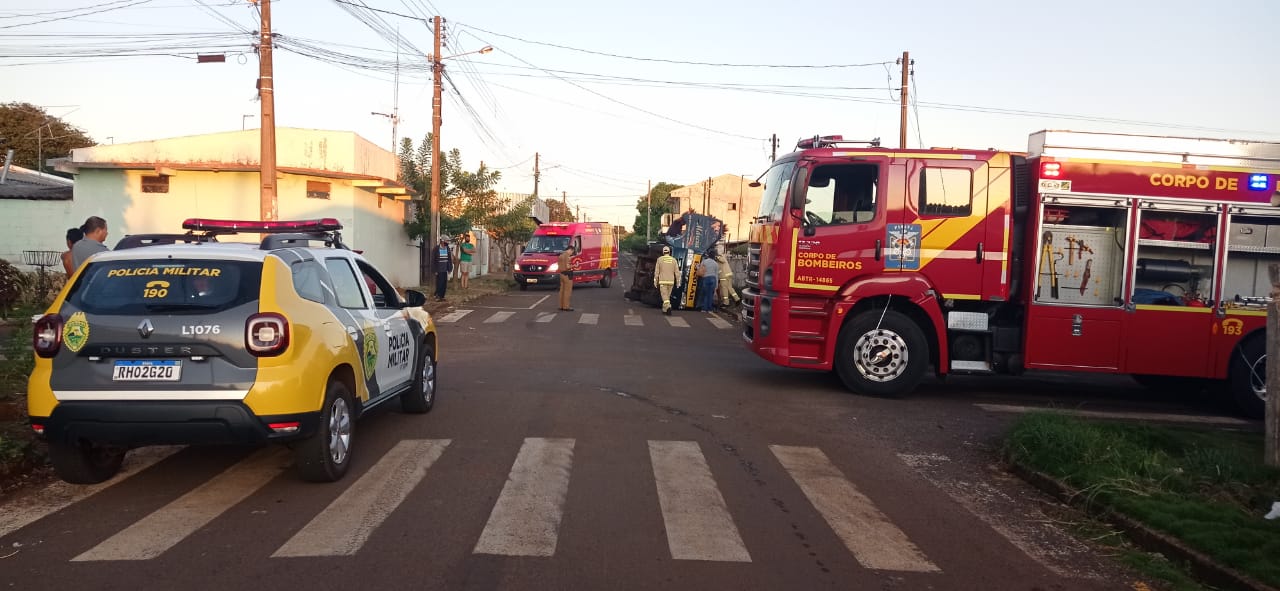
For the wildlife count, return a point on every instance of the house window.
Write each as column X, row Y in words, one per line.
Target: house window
column 155, row 184
column 733, row 207
column 317, row 190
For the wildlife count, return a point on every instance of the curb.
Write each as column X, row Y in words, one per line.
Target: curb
column 1202, row 566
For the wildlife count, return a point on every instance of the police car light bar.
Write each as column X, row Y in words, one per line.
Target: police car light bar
column 261, row 227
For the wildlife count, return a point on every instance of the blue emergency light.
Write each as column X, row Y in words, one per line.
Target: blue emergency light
column 1259, row 182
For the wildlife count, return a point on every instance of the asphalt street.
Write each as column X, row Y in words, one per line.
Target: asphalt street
column 606, row 448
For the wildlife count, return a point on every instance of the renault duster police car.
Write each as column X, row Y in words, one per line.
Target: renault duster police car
column 288, row 340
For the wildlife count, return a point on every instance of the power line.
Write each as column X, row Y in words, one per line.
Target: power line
column 106, row 7
column 668, row 61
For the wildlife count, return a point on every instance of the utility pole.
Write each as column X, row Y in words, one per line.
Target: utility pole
column 648, row 211
column 537, row 174
column 267, row 209
column 902, row 123
column 437, row 71
column 564, row 196
column 577, row 215
column 1271, row 418
column 773, row 143
column 395, row 100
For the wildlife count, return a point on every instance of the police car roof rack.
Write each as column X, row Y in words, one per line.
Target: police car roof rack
column 833, row 141
column 303, row 240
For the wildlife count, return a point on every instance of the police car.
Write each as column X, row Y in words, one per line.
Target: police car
column 288, row 340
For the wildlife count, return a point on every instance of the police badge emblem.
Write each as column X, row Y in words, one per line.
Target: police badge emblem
column 75, row 333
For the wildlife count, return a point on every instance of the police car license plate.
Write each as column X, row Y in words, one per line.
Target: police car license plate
column 144, row 371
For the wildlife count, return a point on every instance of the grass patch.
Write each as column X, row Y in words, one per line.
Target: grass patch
column 1206, row 488
column 18, row 359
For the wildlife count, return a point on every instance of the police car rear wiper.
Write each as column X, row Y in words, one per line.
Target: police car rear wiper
column 165, row 307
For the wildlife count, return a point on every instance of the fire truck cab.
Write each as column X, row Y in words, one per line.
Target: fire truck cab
column 1091, row 252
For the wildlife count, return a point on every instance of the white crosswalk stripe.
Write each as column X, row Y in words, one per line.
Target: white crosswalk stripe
column 874, row 540
column 545, row 317
column 499, row 317
column 589, row 319
column 526, row 518
column 168, row 525
column 719, row 322
column 454, row 316
column 697, row 521
column 344, row 526
column 677, row 322
column 633, row 320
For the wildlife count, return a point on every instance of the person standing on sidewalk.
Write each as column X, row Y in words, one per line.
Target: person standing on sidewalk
column 74, row 235
column 565, row 265
column 728, row 296
column 95, row 233
column 443, row 264
column 708, row 275
column 665, row 272
column 465, row 250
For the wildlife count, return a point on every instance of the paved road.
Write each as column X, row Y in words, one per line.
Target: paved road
column 606, row 448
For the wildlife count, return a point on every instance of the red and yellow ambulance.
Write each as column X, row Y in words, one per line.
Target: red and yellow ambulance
column 596, row 258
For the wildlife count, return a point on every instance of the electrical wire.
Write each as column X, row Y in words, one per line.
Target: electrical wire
column 668, row 61
column 101, row 8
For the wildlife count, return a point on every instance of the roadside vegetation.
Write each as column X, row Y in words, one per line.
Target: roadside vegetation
column 1208, row 489
column 22, row 296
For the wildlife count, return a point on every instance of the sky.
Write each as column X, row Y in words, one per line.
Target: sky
column 615, row 95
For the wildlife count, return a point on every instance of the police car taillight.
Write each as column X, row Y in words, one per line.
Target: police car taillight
column 266, row 334
column 47, row 337
column 1050, row 170
column 207, row 225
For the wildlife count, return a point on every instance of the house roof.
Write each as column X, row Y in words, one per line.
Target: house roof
column 24, row 183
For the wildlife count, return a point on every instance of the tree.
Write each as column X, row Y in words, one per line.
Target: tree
column 458, row 188
column 650, row 211
column 511, row 229
column 35, row 135
column 559, row 211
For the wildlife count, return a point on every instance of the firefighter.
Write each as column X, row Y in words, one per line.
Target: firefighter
column 665, row 272
column 565, row 264
column 728, row 296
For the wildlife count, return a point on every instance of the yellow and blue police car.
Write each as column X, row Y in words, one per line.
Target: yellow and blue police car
column 199, row 341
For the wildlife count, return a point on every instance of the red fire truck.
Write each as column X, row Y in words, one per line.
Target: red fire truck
column 1091, row 252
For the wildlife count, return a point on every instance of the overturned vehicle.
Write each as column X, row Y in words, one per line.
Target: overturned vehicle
column 690, row 237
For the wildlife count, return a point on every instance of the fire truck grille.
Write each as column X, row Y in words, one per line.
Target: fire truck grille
column 753, row 265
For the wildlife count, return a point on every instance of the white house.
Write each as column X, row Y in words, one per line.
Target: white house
column 152, row 186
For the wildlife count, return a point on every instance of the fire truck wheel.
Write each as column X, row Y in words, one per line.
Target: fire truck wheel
column 881, row 357
column 1249, row 377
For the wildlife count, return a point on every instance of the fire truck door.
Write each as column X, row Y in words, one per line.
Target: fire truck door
column 842, row 236
column 950, row 203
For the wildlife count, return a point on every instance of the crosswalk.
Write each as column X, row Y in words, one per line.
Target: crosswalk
column 526, row 516
column 678, row 320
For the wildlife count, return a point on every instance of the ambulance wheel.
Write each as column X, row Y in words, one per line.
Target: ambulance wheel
column 607, row 279
column 1248, row 377
column 326, row 454
column 881, row 357
column 83, row 462
column 422, row 396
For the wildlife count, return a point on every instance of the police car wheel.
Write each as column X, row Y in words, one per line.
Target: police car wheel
column 422, row 396
column 83, row 462
column 881, row 357
column 326, row 454
column 1249, row 377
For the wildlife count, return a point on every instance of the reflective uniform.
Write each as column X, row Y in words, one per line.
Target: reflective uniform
column 727, row 293
column 565, row 264
column 665, row 272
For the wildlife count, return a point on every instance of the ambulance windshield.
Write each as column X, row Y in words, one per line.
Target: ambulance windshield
column 777, row 185
column 554, row 244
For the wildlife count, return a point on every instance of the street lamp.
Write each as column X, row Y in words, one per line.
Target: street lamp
column 437, row 72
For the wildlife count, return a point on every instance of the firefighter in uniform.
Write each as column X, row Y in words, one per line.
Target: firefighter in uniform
column 565, row 264
column 665, row 272
column 728, row 296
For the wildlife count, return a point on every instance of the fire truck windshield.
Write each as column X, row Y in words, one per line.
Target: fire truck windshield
column 777, row 184
column 548, row 244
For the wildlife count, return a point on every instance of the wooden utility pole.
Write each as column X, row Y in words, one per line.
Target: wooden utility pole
column 902, row 122
column 648, row 211
column 267, row 209
column 564, row 197
column 437, row 72
column 1271, row 447
column 773, row 143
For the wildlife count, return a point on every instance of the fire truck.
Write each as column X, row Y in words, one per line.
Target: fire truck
column 1091, row 252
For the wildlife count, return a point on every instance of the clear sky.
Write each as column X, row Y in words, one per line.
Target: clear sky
column 987, row 74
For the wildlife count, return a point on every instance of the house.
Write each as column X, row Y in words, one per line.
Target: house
column 729, row 197
column 152, row 186
column 27, row 196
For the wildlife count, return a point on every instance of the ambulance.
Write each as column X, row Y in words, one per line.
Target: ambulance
column 595, row 259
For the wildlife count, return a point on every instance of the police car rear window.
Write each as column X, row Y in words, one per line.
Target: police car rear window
column 175, row 286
